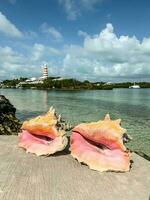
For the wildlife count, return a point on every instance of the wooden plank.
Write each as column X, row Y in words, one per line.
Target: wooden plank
column 60, row 177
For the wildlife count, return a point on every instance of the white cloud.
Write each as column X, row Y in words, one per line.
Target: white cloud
column 11, row 62
column 54, row 33
column 14, row 64
column 82, row 33
column 37, row 52
column 104, row 56
column 70, row 8
column 8, row 28
column 107, row 55
column 74, row 8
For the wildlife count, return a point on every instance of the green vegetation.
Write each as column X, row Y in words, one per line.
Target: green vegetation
column 67, row 84
column 14, row 82
column 128, row 84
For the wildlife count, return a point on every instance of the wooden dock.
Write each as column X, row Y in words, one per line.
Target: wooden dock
column 60, row 177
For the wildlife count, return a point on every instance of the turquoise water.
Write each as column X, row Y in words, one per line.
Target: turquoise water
column 131, row 105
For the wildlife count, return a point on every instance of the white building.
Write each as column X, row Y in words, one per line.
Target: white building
column 35, row 80
column 58, row 79
column 108, row 83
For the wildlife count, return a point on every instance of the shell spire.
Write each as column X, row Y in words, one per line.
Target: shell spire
column 107, row 117
column 118, row 121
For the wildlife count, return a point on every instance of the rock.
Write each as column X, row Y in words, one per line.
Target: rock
column 9, row 124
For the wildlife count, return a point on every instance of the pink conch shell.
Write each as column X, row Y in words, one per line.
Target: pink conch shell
column 100, row 145
column 43, row 135
column 41, row 146
column 107, row 132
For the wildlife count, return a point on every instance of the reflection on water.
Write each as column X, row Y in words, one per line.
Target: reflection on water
column 133, row 106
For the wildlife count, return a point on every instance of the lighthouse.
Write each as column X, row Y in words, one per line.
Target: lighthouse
column 45, row 72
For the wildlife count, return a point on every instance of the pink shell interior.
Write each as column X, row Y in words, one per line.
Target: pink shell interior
column 100, row 147
column 40, row 135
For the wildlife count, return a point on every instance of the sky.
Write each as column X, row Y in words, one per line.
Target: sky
column 96, row 40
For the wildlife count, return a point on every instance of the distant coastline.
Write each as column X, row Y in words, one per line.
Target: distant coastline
column 57, row 83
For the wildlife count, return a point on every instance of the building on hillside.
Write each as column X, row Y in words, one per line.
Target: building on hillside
column 58, row 79
column 108, row 83
column 35, row 80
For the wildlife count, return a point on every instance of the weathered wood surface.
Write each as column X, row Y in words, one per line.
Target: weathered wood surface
column 60, row 177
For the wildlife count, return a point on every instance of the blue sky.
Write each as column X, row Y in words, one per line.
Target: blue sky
column 85, row 39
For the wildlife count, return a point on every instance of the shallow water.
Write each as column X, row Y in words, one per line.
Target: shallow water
column 131, row 105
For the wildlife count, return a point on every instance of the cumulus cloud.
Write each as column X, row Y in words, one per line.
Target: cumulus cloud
column 52, row 31
column 104, row 56
column 8, row 28
column 14, row 64
column 10, row 62
column 74, row 9
column 108, row 55
column 39, row 51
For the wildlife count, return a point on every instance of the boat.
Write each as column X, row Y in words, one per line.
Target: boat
column 134, row 86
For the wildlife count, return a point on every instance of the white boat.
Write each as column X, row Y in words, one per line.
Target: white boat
column 134, row 86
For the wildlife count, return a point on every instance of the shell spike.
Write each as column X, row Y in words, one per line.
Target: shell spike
column 59, row 118
column 107, row 117
column 51, row 110
column 118, row 121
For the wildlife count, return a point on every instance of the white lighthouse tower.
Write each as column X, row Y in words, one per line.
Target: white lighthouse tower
column 45, row 72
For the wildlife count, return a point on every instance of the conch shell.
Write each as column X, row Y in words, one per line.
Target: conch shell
column 43, row 135
column 100, row 145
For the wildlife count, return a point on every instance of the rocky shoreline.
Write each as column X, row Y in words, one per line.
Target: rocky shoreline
column 9, row 124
